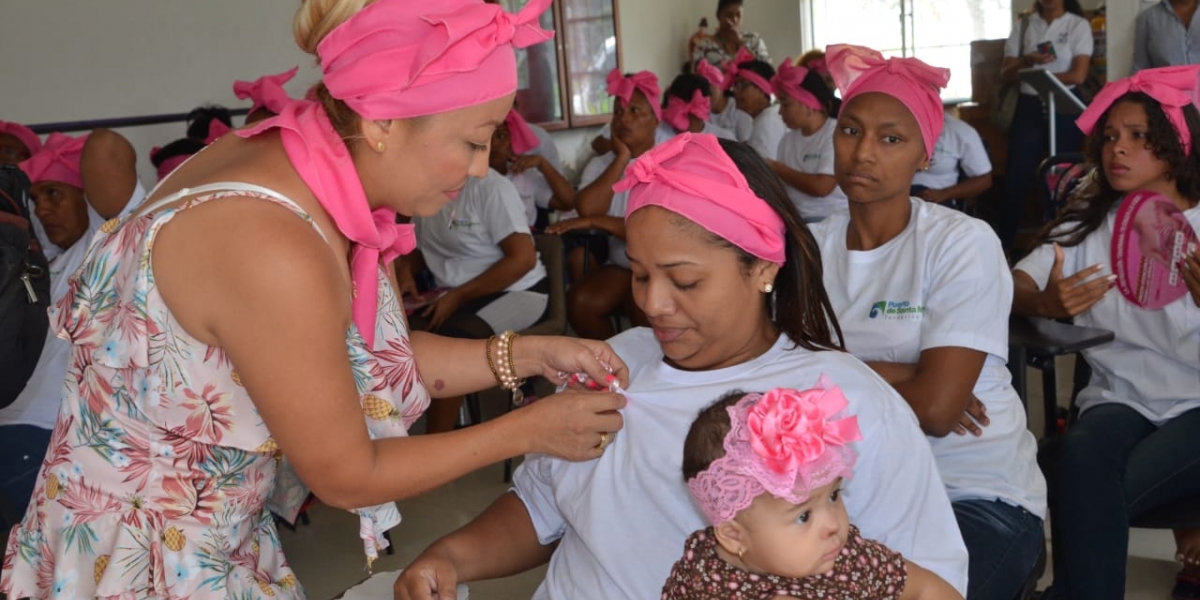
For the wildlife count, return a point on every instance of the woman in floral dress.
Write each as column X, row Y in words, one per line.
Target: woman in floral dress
column 214, row 332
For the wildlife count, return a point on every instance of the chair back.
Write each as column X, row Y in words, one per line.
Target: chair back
column 1058, row 177
column 550, row 247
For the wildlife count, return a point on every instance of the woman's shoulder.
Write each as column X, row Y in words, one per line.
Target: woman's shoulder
column 948, row 227
column 636, row 346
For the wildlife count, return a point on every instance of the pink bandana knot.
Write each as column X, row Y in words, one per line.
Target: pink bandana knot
column 58, row 160
column 788, row 80
column 677, row 111
column 857, row 70
column 25, row 135
column 1172, row 87
column 620, row 86
column 266, row 91
column 692, row 176
column 523, row 138
column 714, row 75
column 786, row 443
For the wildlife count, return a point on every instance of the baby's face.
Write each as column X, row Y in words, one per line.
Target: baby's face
column 793, row 540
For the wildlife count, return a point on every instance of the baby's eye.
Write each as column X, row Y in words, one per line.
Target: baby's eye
column 835, row 495
column 804, row 516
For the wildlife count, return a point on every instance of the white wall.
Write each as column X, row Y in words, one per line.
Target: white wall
column 778, row 21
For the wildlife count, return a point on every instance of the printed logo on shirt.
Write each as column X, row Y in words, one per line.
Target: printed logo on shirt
column 897, row 310
column 462, row 224
column 1063, row 38
column 811, row 156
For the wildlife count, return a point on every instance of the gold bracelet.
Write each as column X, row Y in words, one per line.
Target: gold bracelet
column 512, row 365
column 491, row 364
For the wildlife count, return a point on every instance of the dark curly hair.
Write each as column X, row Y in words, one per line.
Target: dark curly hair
column 705, row 441
column 1090, row 206
column 199, row 119
column 761, row 68
column 815, row 85
column 684, row 86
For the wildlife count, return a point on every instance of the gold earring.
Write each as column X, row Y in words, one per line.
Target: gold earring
column 380, row 147
column 767, row 289
column 741, row 554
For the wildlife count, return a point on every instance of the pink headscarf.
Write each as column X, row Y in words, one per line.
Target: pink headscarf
column 58, row 160
column 677, row 111
column 266, row 91
column 620, row 86
column 819, row 65
column 216, row 129
column 1172, row 87
column 522, row 135
column 24, row 134
column 692, row 176
column 169, row 165
column 785, row 442
column 744, row 55
column 395, row 59
column 399, row 59
column 714, row 75
column 857, row 70
column 787, row 81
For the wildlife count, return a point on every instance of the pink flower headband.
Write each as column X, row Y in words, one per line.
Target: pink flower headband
column 785, row 443
column 58, row 160
column 857, row 70
column 677, row 111
column 1172, row 87
column 620, row 86
column 266, row 91
column 23, row 134
column 399, row 58
column 788, row 80
column 522, row 136
column 692, row 176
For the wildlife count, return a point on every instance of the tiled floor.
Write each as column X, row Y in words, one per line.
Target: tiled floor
column 327, row 557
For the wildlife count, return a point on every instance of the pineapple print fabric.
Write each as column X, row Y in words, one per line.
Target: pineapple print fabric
column 160, row 471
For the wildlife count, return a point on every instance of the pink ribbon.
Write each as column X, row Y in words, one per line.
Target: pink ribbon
column 58, row 160
column 266, row 91
column 522, row 135
column 818, row 65
column 857, row 70
column 620, row 86
column 691, row 175
column 788, row 80
column 714, row 75
column 321, row 158
column 25, row 135
column 677, row 111
column 216, row 129
column 1172, row 87
column 456, row 54
column 169, row 165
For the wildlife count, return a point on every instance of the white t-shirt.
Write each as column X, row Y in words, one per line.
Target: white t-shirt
column 1153, row 365
column 732, row 119
column 813, row 154
column 594, row 169
column 718, row 131
column 1070, row 34
column 958, row 145
column 38, row 403
column 946, row 284
column 534, row 191
column 463, row 239
column 546, row 147
column 768, row 130
column 621, row 520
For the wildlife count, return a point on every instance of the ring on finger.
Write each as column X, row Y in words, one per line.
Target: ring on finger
column 605, row 440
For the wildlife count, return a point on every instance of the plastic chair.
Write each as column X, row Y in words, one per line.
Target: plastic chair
column 1058, row 177
column 554, row 322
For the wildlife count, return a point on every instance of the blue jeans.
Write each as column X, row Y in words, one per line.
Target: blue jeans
column 22, row 450
column 1028, row 143
column 1113, row 466
column 1003, row 542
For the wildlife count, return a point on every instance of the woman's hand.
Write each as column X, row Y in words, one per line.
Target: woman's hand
column 1190, row 266
column 1065, row 297
column 934, row 196
column 443, row 308
column 973, row 418
column 572, row 425
column 575, row 224
column 620, row 150
column 557, row 357
column 521, row 164
column 429, row 577
column 1036, row 58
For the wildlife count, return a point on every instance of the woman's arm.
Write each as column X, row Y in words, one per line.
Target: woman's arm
column 1077, row 74
column 519, row 258
column 109, row 171
column 563, row 193
column 968, row 188
column 924, row 585
column 1064, row 297
column 280, row 311
column 939, row 387
column 810, row 183
column 595, row 198
column 614, row 226
column 500, row 542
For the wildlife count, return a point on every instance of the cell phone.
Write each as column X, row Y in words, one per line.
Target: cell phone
column 1047, row 48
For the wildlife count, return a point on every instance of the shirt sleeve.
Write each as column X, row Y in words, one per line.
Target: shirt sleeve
column 974, row 159
column 743, row 126
column 760, row 139
column 533, row 483
column 503, row 211
column 969, row 291
column 1081, row 38
column 594, row 169
column 759, row 48
column 1038, row 264
column 1012, row 46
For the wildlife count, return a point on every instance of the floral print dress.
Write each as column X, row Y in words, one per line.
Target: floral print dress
column 160, row 468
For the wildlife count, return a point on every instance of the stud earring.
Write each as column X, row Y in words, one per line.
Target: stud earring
column 380, row 147
column 767, row 289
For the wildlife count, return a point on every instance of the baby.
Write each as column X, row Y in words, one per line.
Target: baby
column 766, row 470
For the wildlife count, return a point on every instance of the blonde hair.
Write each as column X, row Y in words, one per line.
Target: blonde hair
column 808, row 57
column 314, row 21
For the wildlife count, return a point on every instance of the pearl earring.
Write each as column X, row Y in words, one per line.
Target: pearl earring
column 379, row 147
column 767, row 289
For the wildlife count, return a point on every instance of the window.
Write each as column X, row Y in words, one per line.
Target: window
column 561, row 83
column 935, row 31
